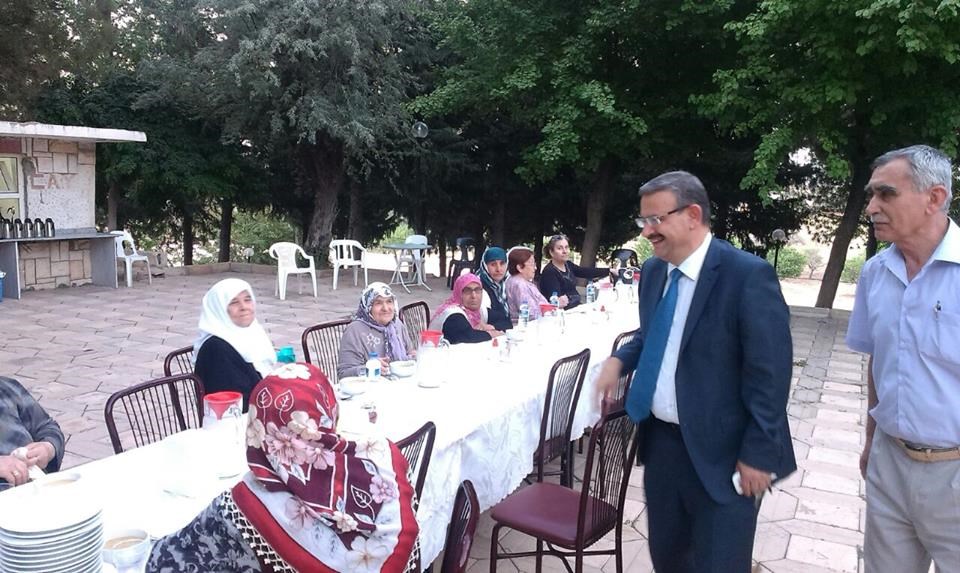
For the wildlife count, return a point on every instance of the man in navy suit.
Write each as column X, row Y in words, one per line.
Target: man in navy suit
column 713, row 366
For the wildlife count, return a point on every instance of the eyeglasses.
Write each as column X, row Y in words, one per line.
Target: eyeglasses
column 657, row 219
column 475, row 290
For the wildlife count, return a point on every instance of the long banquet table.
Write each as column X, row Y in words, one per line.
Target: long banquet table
column 487, row 414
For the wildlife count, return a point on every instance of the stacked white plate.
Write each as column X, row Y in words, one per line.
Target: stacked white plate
column 51, row 527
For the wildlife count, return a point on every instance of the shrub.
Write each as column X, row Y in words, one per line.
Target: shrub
column 790, row 263
column 643, row 248
column 852, row 268
column 258, row 231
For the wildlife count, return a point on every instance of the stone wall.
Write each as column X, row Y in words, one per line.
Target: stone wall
column 49, row 264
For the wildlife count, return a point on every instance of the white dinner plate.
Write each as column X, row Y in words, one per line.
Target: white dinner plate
column 57, row 546
column 42, row 510
column 40, row 537
column 53, row 560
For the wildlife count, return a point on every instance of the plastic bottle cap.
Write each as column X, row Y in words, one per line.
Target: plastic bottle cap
column 554, row 293
column 372, row 355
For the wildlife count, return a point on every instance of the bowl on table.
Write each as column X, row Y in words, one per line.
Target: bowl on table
column 353, row 385
column 127, row 549
column 403, row 368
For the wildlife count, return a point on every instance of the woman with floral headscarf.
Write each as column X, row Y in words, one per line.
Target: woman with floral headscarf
column 493, row 274
column 460, row 317
column 312, row 501
column 375, row 328
column 232, row 350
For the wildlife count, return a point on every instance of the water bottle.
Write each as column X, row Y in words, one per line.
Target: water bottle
column 524, row 317
column 373, row 365
column 555, row 300
column 591, row 292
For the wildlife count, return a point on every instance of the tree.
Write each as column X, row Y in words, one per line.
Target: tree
column 848, row 80
column 33, row 49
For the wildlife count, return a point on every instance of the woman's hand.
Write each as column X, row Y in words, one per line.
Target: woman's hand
column 13, row 470
column 564, row 301
column 484, row 327
column 384, row 365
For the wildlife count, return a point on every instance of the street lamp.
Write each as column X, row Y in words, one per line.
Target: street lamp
column 779, row 237
column 420, row 129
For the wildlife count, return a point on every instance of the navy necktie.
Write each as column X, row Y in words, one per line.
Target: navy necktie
column 654, row 345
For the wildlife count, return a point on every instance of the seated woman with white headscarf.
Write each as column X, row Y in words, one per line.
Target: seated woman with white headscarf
column 460, row 317
column 376, row 327
column 232, row 351
column 313, row 500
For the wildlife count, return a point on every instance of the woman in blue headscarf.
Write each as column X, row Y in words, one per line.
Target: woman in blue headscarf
column 376, row 328
column 493, row 275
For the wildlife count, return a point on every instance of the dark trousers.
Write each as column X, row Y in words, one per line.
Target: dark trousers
column 689, row 531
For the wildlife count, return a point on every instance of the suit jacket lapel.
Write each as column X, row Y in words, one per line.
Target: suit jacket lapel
column 708, row 276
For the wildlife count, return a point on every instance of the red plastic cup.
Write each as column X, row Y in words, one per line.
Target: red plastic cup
column 430, row 336
column 217, row 404
column 546, row 307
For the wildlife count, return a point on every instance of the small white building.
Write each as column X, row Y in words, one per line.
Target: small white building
column 48, row 174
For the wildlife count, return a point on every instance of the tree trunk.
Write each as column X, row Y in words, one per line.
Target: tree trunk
column 442, row 252
column 499, row 224
column 871, row 242
column 538, row 249
column 355, row 219
column 325, row 167
column 187, row 238
column 847, row 228
column 113, row 202
column 596, row 205
column 226, row 226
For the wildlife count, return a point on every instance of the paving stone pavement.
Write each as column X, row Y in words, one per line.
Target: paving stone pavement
column 73, row 347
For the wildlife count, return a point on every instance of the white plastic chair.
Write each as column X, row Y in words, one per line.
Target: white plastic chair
column 135, row 256
column 341, row 256
column 286, row 256
column 413, row 258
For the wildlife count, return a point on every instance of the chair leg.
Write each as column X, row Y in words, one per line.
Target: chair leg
column 283, row 286
column 618, row 547
column 313, row 277
column 494, row 535
column 356, row 273
column 539, row 564
column 129, row 273
column 366, row 279
column 336, row 273
column 149, row 274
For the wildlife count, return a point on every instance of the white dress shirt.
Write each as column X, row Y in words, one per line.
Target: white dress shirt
column 664, row 404
column 912, row 330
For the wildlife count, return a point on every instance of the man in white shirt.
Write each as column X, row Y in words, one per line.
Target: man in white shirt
column 713, row 366
column 907, row 317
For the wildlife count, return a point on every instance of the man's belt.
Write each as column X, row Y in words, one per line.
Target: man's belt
column 922, row 453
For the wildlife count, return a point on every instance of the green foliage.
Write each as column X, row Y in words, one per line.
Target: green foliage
column 852, row 268
column 790, row 263
column 644, row 249
column 398, row 234
column 257, row 231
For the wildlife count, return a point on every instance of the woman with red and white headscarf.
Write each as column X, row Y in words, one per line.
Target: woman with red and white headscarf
column 460, row 317
column 313, row 500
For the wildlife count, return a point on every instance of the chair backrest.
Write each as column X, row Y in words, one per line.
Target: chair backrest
column 286, row 254
column 463, row 526
column 120, row 240
column 321, row 346
column 563, row 392
column 627, row 257
column 180, row 361
column 616, row 399
column 416, row 239
column 464, row 244
column 416, row 317
column 342, row 250
column 418, row 448
column 606, row 475
column 154, row 409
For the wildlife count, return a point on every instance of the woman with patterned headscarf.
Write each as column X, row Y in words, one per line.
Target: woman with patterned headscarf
column 460, row 317
column 312, row 501
column 376, row 327
column 493, row 274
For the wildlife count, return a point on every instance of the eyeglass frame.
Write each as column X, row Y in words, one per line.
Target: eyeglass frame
column 654, row 220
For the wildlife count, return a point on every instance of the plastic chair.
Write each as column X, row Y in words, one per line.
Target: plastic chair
column 463, row 526
column 341, row 256
column 566, row 520
column 155, row 409
column 418, row 448
column 616, row 400
column 321, row 346
column 556, row 425
column 135, row 256
column 416, row 317
column 180, row 359
column 286, row 256
column 464, row 244
column 413, row 257
column 627, row 257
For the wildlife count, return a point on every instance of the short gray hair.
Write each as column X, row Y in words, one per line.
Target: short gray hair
column 685, row 186
column 928, row 167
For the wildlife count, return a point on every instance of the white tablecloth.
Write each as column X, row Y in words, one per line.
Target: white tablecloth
column 487, row 415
